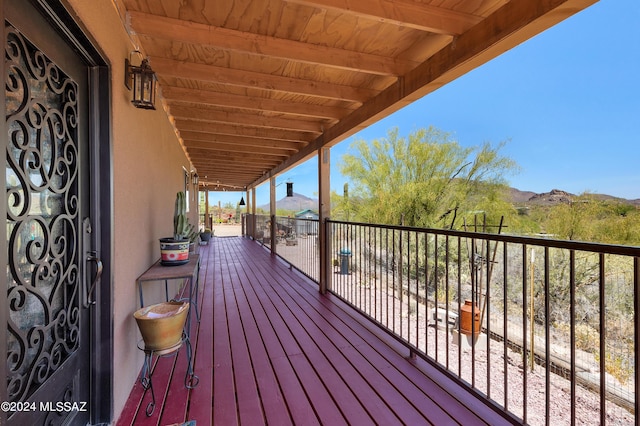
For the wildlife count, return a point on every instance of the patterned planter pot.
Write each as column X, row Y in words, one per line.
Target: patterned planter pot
column 174, row 252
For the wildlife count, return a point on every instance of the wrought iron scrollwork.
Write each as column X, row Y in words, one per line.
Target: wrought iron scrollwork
column 43, row 301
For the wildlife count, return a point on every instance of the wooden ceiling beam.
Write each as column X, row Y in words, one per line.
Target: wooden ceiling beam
column 230, row 157
column 281, row 147
column 215, row 174
column 211, row 173
column 268, row 82
column 231, row 147
column 235, row 117
column 402, row 13
column 233, row 177
column 232, row 185
column 288, row 139
column 206, row 97
column 290, row 50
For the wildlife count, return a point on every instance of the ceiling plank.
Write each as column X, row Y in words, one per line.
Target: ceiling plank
column 233, row 157
column 411, row 14
column 291, row 50
column 280, row 146
column 242, row 78
column 296, row 139
column 231, row 147
column 256, row 120
column 206, row 97
column 211, row 169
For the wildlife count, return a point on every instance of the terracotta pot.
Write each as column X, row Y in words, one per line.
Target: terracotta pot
column 161, row 325
column 467, row 311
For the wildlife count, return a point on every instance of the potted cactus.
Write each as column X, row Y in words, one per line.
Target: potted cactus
column 205, row 236
column 175, row 250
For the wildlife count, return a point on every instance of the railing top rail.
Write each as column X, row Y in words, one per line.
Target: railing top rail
column 633, row 251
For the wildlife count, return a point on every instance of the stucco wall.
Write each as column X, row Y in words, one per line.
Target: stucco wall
column 148, row 166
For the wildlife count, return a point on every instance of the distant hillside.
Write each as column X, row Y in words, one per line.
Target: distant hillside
column 301, row 202
column 517, row 196
column 557, row 196
column 296, row 203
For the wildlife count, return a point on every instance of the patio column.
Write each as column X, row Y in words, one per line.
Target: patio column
column 324, row 197
column 243, row 215
column 207, row 220
column 272, row 213
column 253, row 213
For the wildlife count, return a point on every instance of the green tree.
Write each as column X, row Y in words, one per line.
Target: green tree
column 588, row 218
column 427, row 176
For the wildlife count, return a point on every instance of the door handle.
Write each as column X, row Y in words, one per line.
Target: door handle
column 92, row 257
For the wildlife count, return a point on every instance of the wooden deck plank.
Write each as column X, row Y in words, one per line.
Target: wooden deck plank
column 249, row 404
column 441, row 397
column 471, row 411
column 201, row 397
column 297, row 371
column 296, row 375
column 367, row 395
column 132, row 405
column 430, row 403
column 408, row 401
column 274, row 406
column 225, row 410
column 320, row 357
column 270, row 349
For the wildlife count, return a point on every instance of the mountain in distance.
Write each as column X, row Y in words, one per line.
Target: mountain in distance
column 300, row 202
column 296, row 203
column 557, row 196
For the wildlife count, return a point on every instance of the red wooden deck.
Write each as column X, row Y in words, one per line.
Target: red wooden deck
column 285, row 354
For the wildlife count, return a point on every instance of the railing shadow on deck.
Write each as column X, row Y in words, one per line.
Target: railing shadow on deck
column 552, row 315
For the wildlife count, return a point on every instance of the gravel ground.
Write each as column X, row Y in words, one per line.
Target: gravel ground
column 427, row 338
column 227, row 230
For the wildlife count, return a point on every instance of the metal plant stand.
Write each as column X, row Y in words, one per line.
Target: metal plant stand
column 146, row 375
column 157, row 272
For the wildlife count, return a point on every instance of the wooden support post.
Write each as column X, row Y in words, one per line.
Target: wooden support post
column 272, row 213
column 324, row 191
column 253, row 213
column 207, row 219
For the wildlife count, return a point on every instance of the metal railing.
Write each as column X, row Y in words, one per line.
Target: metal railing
column 296, row 241
column 527, row 323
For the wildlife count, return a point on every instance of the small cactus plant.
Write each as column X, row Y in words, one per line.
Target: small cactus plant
column 181, row 227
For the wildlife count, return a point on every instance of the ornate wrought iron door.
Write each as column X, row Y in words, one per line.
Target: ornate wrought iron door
column 47, row 354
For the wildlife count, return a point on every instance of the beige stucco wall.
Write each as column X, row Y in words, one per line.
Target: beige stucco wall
column 148, row 166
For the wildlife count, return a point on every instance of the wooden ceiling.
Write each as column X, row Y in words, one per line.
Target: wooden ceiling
column 256, row 86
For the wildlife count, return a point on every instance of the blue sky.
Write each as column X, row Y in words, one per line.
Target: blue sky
column 567, row 101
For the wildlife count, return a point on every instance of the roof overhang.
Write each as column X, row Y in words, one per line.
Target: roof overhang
column 255, row 88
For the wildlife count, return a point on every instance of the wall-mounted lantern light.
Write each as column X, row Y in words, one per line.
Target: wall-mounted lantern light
column 142, row 80
column 194, row 178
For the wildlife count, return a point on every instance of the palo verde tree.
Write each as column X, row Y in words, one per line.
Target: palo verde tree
column 428, row 177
